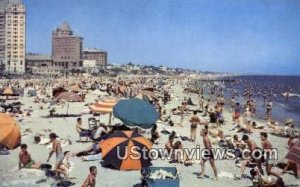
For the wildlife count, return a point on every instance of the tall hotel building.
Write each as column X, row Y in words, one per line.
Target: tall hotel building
column 12, row 36
column 66, row 48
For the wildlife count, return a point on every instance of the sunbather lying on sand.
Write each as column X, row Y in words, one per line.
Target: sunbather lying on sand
column 265, row 181
column 91, row 150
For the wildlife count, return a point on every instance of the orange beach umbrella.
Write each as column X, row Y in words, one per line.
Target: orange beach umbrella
column 123, row 150
column 10, row 135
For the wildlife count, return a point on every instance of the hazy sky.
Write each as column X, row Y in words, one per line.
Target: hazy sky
column 246, row 36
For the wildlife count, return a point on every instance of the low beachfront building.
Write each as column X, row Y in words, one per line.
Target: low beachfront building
column 41, row 64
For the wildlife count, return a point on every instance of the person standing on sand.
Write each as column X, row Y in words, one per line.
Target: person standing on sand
column 56, row 148
column 232, row 103
column 206, row 107
column 248, row 120
column 195, row 121
column 90, row 180
column 236, row 114
column 209, row 156
column 269, row 109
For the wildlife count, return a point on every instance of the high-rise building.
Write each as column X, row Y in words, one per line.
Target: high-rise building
column 94, row 54
column 66, row 48
column 12, row 36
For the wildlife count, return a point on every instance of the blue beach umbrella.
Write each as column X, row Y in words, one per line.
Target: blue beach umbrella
column 136, row 112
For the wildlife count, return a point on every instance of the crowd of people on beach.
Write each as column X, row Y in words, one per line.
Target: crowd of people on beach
column 205, row 106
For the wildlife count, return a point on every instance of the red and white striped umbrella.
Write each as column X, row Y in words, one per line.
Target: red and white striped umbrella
column 104, row 107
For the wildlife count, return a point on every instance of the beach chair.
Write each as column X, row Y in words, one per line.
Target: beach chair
column 93, row 123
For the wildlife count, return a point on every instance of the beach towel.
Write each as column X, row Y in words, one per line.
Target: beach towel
column 4, row 152
column 44, row 141
column 92, row 157
column 162, row 174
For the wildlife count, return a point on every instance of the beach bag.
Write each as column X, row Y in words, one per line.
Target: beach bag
column 37, row 139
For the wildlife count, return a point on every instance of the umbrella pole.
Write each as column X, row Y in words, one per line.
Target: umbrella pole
column 68, row 109
column 109, row 121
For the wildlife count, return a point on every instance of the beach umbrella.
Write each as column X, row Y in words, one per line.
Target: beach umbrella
column 103, row 107
column 10, row 135
column 69, row 97
column 293, row 154
column 57, row 91
column 136, row 112
column 9, row 92
column 191, row 90
column 123, row 148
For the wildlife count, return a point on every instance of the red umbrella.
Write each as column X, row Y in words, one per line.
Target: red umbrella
column 69, row 97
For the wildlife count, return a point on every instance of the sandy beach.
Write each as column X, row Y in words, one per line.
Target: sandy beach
column 65, row 129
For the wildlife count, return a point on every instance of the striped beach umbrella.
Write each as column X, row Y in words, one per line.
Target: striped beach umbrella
column 124, row 150
column 104, row 107
column 293, row 154
column 10, row 135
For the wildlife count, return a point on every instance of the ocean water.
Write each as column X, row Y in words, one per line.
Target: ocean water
column 270, row 87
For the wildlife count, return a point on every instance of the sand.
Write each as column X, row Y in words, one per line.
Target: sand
column 65, row 128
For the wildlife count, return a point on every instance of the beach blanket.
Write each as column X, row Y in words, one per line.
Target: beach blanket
column 4, row 152
column 44, row 141
column 92, row 157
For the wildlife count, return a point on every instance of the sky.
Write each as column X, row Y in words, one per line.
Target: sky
column 239, row 36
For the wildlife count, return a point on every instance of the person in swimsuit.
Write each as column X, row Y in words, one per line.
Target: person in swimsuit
column 236, row 114
column 248, row 120
column 56, row 148
column 82, row 132
column 252, row 147
column 210, row 156
column 267, row 146
column 65, row 165
column 90, row 180
column 25, row 160
column 195, row 121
